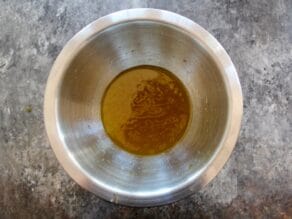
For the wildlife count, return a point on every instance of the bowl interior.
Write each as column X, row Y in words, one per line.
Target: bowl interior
column 102, row 58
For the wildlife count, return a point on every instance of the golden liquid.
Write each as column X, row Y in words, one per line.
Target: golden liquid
column 145, row 110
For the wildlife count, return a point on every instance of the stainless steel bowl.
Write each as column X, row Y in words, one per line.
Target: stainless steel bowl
column 98, row 53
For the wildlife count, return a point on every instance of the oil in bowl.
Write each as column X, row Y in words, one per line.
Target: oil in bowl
column 145, row 110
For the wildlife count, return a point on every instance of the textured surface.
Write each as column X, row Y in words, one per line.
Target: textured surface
column 255, row 182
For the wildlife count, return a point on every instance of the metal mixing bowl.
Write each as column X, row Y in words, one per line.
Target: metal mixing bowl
column 97, row 54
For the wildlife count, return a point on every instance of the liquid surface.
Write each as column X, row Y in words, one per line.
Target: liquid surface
column 145, row 110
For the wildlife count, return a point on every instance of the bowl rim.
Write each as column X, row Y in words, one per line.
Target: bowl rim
column 212, row 47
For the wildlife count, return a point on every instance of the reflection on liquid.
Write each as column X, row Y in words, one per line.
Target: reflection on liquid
column 145, row 110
